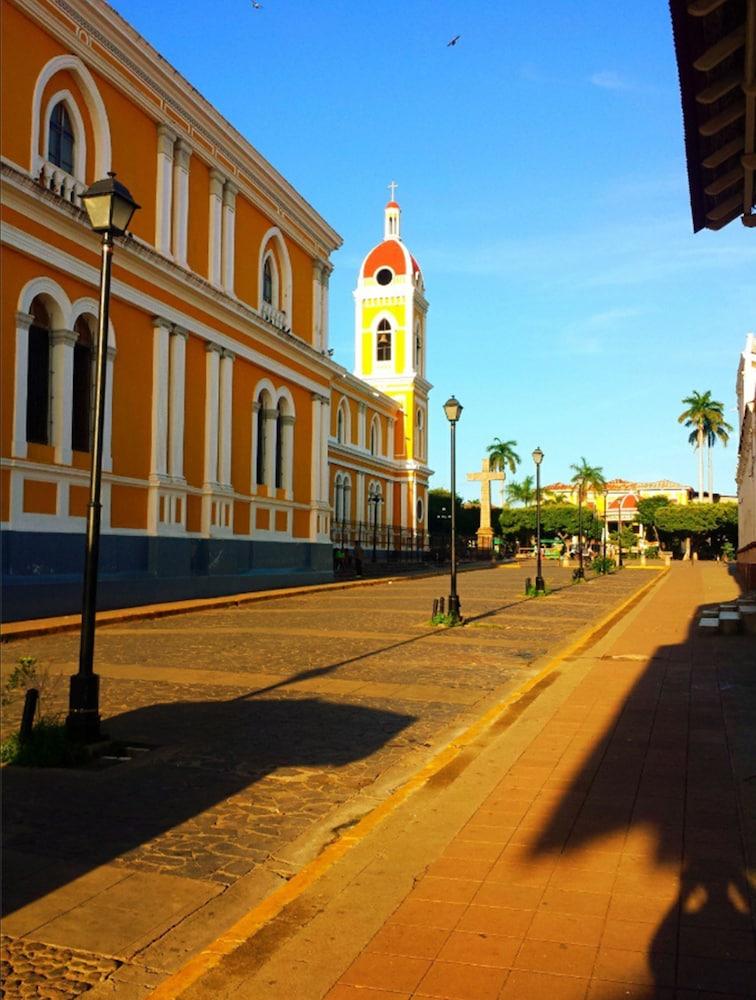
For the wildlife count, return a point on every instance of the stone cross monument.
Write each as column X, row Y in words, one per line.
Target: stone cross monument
column 485, row 477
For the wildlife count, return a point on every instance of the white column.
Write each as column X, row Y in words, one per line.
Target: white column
column 324, row 274
column 361, row 425
column 361, row 512
column 164, row 189
column 62, row 362
column 182, row 153
column 23, row 322
column 269, row 429
column 215, row 227
column 287, row 431
column 389, row 502
column 325, row 421
column 212, row 369
column 177, row 392
column 159, row 423
column 316, row 468
column 107, row 435
column 229, row 227
column 253, row 469
column 225, row 412
column 317, row 287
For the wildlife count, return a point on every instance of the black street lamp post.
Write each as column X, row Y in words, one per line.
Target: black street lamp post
column 453, row 410
column 606, row 523
column 110, row 208
column 619, row 532
column 540, row 586
column 580, row 570
column 374, row 498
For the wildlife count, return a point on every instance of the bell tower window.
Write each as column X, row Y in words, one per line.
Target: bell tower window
column 383, row 341
column 61, row 138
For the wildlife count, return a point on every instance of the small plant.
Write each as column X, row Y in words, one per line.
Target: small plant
column 602, row 565
column 531, row 591
column 728, row 551
column 23, row 676
column 47, row 746
column 444, row 618
column 652, row 552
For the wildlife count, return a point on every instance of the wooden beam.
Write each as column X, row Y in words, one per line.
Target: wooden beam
column 719, row 88
column 721, row 50
column 732, row 206
column 719, row 156
column 749, row 161
column 725, row 181
column 723, row 119
column 700, row 8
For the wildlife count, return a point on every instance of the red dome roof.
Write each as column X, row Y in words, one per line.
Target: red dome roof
column 392, row 204
column 390, row 253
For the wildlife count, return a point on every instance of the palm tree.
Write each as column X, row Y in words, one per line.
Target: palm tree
column 716, row 429
column 523, row 492
column 706, row 418
column 502, row 456
column 586, row 477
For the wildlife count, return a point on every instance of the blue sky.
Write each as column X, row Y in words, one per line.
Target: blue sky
column 543, row 189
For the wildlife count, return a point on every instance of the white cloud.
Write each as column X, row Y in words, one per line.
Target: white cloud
column 608, row 79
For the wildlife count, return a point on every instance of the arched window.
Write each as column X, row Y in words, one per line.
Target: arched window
column 346, row 510
column 420, row 433
column 268, row 281
column 61, row 138
column 383, row 341
column 38, row 376
column 373, row 439
column 418, row 350
column 81, row 413
column 260, row 430
column 279, row 445
column 340, row 425
column 338, row 497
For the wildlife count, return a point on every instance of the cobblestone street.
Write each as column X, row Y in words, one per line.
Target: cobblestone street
column 267, row 724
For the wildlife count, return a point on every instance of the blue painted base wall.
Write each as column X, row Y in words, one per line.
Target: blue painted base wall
column 42, row 571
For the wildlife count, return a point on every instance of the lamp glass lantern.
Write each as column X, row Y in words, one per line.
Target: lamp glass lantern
column 452, row 409
column 109, row 205
column 538, row 456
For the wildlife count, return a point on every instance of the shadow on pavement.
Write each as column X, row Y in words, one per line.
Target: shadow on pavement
column 67, row 822
column 670, row 787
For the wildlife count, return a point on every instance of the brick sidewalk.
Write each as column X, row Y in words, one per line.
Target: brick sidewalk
column 610, row 860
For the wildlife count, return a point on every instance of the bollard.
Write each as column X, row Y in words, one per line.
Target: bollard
column 435, row 607
column 441, row 610
column 27, row 718
column 528, row 585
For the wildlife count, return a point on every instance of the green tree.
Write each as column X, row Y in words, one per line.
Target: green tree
column 703, row 527
column 647, row 509
column 523, row 493
column 586, row 477
column 558, row 520
column 705, row 417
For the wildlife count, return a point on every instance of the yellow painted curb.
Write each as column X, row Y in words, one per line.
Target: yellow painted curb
column 269, row 908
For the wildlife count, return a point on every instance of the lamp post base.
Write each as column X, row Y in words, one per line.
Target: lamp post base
column 453, row 605
column 539, row 584
column 83, row 719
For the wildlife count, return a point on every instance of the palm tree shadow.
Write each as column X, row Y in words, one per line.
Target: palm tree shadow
column 663, row 793
column 60, row 824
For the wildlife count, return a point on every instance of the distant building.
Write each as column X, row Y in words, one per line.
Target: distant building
column 621, row 497
column 746, row 469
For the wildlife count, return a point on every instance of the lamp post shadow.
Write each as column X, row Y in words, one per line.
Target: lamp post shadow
column 198, row 802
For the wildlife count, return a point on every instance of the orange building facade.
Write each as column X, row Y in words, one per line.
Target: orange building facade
column 236, row 451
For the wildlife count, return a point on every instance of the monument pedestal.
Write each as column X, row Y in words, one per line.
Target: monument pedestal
column 485, row 538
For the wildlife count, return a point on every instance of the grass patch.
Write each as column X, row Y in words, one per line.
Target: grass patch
column 450, row 621
column 47, row 746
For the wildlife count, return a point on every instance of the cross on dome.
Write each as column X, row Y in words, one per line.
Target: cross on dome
column 392, row 188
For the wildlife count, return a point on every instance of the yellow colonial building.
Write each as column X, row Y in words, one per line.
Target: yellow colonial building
column 235, row 449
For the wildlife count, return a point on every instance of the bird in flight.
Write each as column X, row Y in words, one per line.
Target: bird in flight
column 453, row 41
column 256, row 5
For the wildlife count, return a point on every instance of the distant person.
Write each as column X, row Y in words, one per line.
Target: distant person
column 358, row 555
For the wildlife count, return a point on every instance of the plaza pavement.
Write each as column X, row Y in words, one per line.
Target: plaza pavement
column 277, row 727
